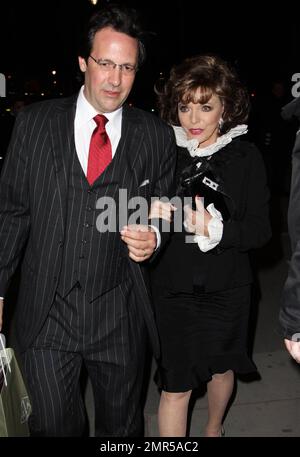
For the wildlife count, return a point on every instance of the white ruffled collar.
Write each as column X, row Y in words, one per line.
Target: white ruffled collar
column 192, row 145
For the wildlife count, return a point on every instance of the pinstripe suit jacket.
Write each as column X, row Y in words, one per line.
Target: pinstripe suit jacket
column 33, row 194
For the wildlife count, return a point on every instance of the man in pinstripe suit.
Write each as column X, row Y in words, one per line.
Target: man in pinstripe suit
column 83, row 298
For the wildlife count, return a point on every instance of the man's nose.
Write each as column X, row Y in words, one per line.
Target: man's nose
column 115, row 76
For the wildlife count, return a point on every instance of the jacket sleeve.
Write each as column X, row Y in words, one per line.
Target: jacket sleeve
column 251, row 229
column 165, row 184
column 289, row 316
column 14, row 204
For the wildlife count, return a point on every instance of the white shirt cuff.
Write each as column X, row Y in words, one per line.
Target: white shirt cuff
column 158, row 237
column 215, row 231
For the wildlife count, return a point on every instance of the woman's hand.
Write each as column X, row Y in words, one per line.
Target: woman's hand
column 162, row 210
column 197, row 221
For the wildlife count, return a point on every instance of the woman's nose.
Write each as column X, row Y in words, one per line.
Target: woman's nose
column 195, row 117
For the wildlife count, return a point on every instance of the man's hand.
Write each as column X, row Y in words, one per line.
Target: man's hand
column 1, row 313
column 197, row 221
column 140, row 240
column 294, row 349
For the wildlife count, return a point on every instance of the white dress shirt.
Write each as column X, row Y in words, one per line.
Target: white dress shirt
column 85, row 125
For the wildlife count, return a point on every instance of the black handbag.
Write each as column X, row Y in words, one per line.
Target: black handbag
column 199, row 179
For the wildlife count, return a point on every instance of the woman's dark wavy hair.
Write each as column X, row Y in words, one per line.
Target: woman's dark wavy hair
column 213, row 76
column 122, row 19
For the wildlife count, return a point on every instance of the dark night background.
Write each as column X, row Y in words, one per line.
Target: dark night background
column 260, row 39
column 39, row 36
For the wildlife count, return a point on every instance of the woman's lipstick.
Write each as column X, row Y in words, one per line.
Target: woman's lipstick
column 195, row 131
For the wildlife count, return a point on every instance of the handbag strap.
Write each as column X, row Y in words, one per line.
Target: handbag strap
column 6, row 363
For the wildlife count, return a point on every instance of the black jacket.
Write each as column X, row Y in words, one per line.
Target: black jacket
column 240, row 168
column 290, row 307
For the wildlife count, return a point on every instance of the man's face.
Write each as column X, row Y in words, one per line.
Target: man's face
column 106, row 90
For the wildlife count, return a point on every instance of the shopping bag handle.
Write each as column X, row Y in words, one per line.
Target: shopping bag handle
column 2, row 345
column 2, row 340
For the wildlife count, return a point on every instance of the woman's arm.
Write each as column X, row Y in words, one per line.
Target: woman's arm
column 254, row 229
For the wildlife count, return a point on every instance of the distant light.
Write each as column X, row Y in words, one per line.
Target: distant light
column 42, row 94
column 61, row 94
column 152, row 110
column 26, row 93
column 53, row 72
column 8, row 110
column 94, row 2
column 8, row 76
column 253, row 94
column 54, row 82
column 161, row 73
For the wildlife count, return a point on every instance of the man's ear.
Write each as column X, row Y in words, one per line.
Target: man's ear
column 82, row 64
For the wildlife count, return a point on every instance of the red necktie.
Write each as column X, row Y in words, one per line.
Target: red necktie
column 100, row 154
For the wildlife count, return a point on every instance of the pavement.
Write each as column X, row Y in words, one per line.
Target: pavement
column 267, row 407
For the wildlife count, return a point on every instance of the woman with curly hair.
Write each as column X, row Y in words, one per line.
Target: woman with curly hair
column 202, row 281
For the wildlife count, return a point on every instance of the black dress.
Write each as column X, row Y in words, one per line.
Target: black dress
column 202, row 300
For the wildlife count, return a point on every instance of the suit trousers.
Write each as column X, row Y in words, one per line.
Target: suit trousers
column 108, row 336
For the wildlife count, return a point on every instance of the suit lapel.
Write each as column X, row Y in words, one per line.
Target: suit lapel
column 130, row 150
column 134, row 160
column 63, row 143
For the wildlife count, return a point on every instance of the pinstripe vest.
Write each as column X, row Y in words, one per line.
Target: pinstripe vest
column 96, row 261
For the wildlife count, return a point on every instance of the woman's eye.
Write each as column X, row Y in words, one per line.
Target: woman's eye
column 183, row 108
column 206, row 108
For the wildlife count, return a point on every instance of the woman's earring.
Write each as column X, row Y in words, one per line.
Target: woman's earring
column 221, row 122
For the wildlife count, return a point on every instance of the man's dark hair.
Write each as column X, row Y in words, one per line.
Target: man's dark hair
column 122, row 19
